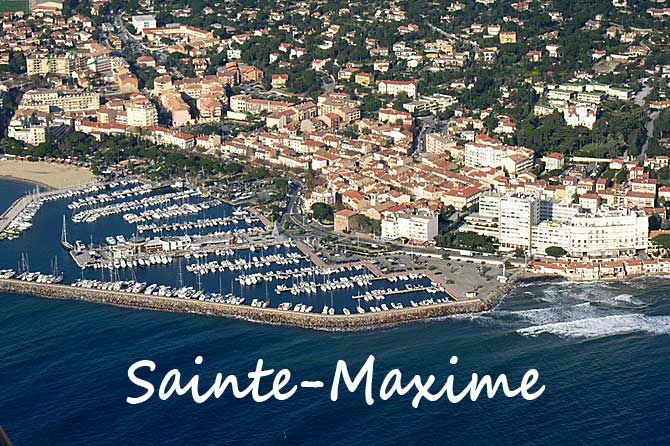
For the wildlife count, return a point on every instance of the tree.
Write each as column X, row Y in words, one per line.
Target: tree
column 555, row 251
column 662, row 240
column 16, row 65
column 400, row 100
column 655, row 222
column 322, row 212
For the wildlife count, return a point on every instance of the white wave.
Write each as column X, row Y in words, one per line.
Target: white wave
column 588, row 292
column 627, row 299
column 603, row 326
column 541, row 316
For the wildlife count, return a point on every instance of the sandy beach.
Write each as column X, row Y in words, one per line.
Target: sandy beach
column 54, row 176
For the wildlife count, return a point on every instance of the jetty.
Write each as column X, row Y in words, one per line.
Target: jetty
column 22, row 203
column 314, row 321
column 14, row 210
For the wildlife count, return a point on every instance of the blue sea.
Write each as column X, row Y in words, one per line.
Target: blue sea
column 601, row 350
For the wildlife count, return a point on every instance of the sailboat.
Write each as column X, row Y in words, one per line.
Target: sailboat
column 57, row 276
column 63, row 238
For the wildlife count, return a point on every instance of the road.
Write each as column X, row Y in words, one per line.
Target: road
column 653, row 116
column 441, row 31
column 330, row 85
column 427, row 126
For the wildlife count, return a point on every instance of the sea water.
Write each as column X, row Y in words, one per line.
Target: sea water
column 602, row 351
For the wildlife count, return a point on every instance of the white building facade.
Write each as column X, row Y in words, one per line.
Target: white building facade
column 415, row 227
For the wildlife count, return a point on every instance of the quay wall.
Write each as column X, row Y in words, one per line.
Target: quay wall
column 315, row 321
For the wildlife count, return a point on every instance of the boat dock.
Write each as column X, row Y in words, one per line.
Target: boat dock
column 374, row 269
column 314, row 321
column 22, row 203
column 311, row 255
column 14, row 210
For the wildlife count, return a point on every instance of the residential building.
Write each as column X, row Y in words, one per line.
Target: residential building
column 518, row 215
column 142, row 22
column 345, row 220
column 553, row 161
column 60, row 100
column 414, row 227
column 141, row 113
column 394, row 88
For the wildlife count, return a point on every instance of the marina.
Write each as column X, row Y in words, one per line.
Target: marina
column 171, row 241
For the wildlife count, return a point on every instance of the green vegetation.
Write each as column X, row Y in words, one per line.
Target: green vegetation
column 13, row 5
column 366, row 224
column 662, row 240
column 659, row 143
column 618, row 129
column 322, row 212
column 139, row 155
column 555, row 251
column 16, row 65
column 655, row 222
column 467, row 240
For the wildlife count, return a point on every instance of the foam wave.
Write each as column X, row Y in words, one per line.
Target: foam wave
column 603, row 326
column 541, row 316
column 626, row 299
column 593, row 292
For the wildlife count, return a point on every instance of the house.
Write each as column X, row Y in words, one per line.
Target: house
column 553, row 161
column 589, row 201
column 507, row 37
column 552, row 49
column 345, row 220
column 534, row 56
column 394, row 88
column 364, row 79
column 279, row 80
column 461, row 198
column 616, row 164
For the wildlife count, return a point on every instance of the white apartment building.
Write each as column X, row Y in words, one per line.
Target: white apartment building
column 396, row 87
column 581, row 114
column 38, row 65
column 553, row 161
column 57, row 100
column 141, row 114
column 439, row 143
column 485, row 222
column 482, row 154
column 605, row 233
column 518, row 215
column 415, row 227
column 609, row 232
column 32, row 134
column 531, row 224
column 33, row 128
column 142, row 22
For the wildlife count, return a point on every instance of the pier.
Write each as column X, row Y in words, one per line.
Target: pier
column 20, row 204
column 314, row 321
column 311, row 255
column 14, row 210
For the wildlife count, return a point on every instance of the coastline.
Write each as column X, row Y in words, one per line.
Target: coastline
column 47, row 175
column 271, row 316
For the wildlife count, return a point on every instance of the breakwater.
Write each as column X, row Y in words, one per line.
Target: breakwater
column 313, row 321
